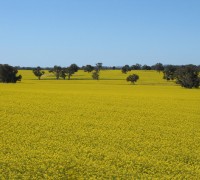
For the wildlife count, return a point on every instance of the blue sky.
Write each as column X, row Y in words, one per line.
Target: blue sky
column 114, row 32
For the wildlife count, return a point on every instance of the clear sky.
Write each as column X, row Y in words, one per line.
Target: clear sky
column 114, row 32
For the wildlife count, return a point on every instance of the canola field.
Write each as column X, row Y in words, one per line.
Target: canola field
column 107, row 129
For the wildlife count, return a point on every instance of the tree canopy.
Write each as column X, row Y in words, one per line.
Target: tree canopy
column 158, row 67
column 38, row 72
column 88, row 68
column 64, row 72
column 8, row 74
column 136, row 67
column 132, row 78
column 57, row 71
column 99, row 66
column 71, row 70
column 188, row 76
column 126, row 68
column 146, row 67
column 169, row 72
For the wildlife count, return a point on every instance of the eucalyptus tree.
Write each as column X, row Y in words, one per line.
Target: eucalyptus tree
column 88, row 68
column 57, row 71
column 188, row 76
column 38, row 72
column 71, row 70
column 132, row 78
column 125, row 69
column 8, row 74
column 169, row 72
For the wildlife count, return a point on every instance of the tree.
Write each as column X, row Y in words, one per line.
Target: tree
column 99, row 66
column 57, row 71
column 88, row 68
column 169, row 72
column 132, row 78
column 188, row 76
column 71, row 70
column 125, row 69
column 145, row 67
column 95, row 75
column 38, row 72
column 63, row 73
column 136, row 67
column 158, row 67
column 8, row 74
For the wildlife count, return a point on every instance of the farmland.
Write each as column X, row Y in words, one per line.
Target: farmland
column 87, row 129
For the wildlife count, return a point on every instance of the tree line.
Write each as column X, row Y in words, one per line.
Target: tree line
column 63, row 72
column 185, row 75
column 8, row 74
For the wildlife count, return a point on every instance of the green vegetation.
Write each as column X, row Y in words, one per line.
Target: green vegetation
column 132, row 78
column 38, row 72
column 8, row 74
column 187, row 76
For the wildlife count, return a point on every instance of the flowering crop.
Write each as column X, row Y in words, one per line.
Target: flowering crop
column 106, row 129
